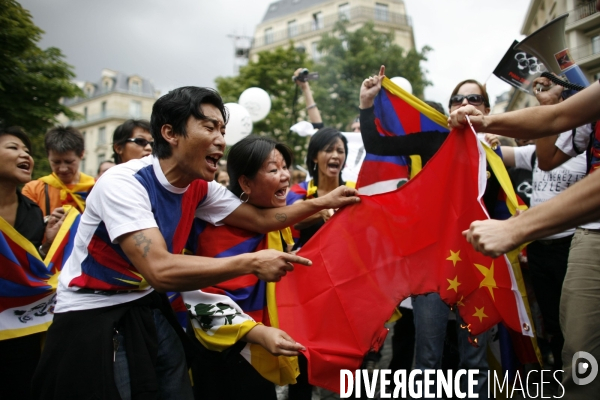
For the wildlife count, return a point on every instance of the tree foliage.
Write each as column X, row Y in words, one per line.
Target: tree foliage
column 352, row 56
column 349, row 58
column 272, row 72
column 32, row 80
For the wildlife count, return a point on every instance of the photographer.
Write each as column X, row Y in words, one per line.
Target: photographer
column 301, row 77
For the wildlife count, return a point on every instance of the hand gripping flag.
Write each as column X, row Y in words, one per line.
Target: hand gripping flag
column 397, row 113
column 28, row 284
column 371, row 256
column 224, row 313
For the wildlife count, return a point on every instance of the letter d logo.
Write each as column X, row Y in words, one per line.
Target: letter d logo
column 583, row 367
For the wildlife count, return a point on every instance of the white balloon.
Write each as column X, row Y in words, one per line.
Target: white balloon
column 257, row 102
column 403, row 83
column 239, row 125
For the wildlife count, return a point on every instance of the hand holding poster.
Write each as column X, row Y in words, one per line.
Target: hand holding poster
column 519, row 69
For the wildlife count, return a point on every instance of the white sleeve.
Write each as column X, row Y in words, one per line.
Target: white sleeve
column 217, row 205
column 523, row 157
column 122, row 203
column 576, row 141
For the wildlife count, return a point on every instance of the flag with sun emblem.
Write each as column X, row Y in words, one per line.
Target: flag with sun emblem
column 372, row 255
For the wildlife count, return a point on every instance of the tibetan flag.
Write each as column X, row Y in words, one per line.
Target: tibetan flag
column 371, row 256
column 221, row 315
column 28, row 284
column 397, row 113
column 63, row 243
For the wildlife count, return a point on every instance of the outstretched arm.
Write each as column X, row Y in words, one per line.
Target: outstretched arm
column 314, row 115
column 147, row 251
column 271, row 219
column 535, row 122
column 577, row 205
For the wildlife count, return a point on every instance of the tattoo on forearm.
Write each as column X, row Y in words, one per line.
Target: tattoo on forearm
column 142, row 242
column 280, row 217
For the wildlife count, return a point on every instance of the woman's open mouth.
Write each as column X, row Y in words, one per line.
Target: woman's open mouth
column 281, row 193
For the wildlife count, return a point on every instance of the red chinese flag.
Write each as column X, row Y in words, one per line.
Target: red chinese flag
column 371, row 256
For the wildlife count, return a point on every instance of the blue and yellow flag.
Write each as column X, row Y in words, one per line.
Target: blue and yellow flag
column 397, row 113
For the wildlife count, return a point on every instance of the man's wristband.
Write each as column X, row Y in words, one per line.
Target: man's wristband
column 313, row 105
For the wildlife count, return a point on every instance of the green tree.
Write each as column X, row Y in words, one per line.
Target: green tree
column 349, row 58
column 32, row 80
column 272, row 72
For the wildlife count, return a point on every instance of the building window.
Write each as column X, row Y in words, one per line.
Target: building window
column 85, row 114
column 101, row 135
column 101, row 159
column 135, row 86
column 318, row 21
column 315, row 53
column 106, row 85
column 596, row 44
column 83, row 134
column 344, row 11
column 135, row 109
column 381, row 12
column 268, row 35
column 103, row 110
column 292, row 28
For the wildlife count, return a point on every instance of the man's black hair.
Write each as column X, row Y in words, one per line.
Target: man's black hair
column 63, row 139
column 175, row 108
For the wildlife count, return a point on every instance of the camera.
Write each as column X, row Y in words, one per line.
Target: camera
column 305, row 75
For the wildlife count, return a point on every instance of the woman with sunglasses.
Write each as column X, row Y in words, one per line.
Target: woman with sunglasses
column 132, row 140
column 430, row 312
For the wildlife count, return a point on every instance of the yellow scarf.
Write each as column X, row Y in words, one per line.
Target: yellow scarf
column 84, row 185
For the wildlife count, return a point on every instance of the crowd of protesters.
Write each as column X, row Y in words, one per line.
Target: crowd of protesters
column 154, row 215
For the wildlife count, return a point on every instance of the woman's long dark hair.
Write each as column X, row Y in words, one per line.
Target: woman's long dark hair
column 324, row 138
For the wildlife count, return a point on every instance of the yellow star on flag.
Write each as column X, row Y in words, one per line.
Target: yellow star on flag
column 454, row 284
column 460, row 302
column 454, row 257
column 480, row 314
column 488, row 278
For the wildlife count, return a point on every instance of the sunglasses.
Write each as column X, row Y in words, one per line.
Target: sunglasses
column 141, row 141
column 473, row 99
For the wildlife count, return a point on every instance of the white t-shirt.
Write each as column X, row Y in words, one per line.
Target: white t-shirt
column 547, row 184
column 129, row 197
column 574, row 143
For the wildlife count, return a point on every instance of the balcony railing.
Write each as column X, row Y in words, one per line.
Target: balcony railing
column 94, row 118
column 582, row 11
column 586, row 50
column 101, row 92
column 354, row 14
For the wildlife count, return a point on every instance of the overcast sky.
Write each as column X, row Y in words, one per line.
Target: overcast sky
column 185, row 42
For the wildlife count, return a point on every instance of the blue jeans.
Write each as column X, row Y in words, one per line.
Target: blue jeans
column 431, row 319
column 171, row 368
